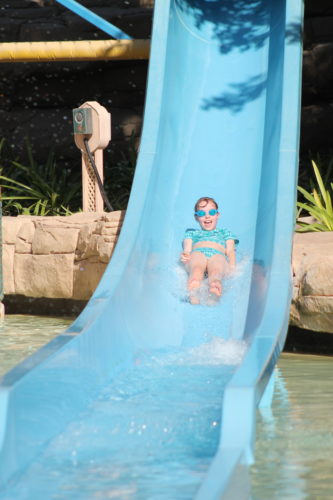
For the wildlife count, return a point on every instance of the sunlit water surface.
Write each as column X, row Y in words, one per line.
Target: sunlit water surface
column 294, row 449
column 21, row 335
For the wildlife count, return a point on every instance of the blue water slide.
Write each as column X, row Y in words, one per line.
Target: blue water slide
column 221, row 120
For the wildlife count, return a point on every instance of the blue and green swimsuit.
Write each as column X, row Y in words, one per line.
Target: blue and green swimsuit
column 216, row 235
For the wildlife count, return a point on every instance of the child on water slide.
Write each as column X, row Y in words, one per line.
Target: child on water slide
column 208, row 250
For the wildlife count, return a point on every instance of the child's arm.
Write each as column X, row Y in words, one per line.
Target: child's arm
column 187, row 248
column 231, row 254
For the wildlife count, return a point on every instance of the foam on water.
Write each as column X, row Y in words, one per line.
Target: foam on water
column 216, row 351
column 219, row 352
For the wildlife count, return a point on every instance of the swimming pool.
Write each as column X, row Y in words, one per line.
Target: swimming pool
column 294, row 458
column 21, row 335
column 294, row 438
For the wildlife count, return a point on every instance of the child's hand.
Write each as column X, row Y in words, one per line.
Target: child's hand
column 185, row 257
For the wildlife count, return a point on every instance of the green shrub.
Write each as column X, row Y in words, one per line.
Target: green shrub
column 36, row 189
column 33, row 189
column 317, row 203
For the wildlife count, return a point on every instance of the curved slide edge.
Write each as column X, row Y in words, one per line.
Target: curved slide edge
column 252, row 385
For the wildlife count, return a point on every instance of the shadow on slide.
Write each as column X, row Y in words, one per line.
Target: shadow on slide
column 146, row 396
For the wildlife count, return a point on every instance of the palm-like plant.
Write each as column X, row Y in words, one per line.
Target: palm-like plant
column 319, row 205
column 38, row 189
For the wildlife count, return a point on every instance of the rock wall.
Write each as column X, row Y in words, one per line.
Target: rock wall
column 58, row 257
column 65, row 257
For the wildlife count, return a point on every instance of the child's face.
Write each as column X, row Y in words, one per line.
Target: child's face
column 207, row 222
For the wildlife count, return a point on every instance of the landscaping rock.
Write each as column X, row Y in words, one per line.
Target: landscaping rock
column 8, row 252
column 87, row 275
column 23, row 246
column 44, row 275
column 50, row 238
column 24, row 237
column 10, row 230
column 65, row 257
column 58, row 257
column 312, row 304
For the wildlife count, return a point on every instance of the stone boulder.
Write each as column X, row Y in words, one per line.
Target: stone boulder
column 312, row 304
column 58, row 257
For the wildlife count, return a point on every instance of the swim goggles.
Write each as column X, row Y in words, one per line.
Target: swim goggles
column 202, row 213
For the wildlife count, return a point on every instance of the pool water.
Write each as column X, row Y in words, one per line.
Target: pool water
column 21, row 335
column 167, row 412
column 294, row 447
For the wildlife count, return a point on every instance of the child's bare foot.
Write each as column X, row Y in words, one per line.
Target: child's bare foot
column 215, row 288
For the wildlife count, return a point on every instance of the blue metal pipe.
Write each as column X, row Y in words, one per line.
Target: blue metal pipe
column 94, row 19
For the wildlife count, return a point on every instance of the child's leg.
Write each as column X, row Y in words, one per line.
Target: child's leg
column 217, row 267
column 196, row 269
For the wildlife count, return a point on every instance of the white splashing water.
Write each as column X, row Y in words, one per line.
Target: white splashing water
column 219, row 352
column 229, row 283
column 216, row 351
